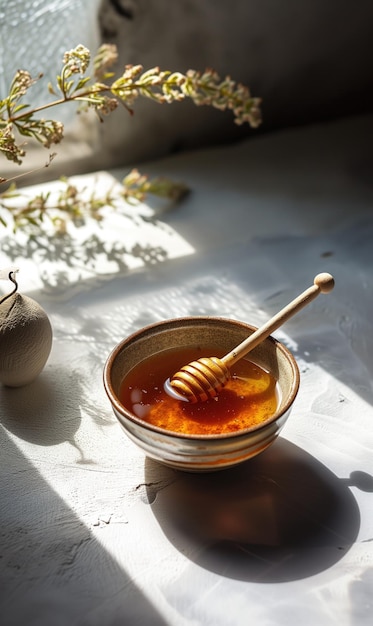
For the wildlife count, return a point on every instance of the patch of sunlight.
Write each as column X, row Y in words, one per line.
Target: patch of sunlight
column 128, row 237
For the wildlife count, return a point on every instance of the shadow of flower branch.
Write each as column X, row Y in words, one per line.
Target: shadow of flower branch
column 82, row 258
column 90, row 228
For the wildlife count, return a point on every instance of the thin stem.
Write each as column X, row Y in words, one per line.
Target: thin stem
column 13, row 279
column 80, row 96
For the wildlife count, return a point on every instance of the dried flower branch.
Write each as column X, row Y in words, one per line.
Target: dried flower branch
column 72, row 85
column 103, row 95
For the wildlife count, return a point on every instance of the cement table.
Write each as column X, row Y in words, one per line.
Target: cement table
column 92, row 533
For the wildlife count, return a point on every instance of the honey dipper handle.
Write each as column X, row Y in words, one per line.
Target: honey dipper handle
column 323, row 283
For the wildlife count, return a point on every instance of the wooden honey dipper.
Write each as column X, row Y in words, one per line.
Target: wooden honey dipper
column 203, row 379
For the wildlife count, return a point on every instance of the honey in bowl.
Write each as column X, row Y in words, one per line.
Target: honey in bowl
column 249, row 398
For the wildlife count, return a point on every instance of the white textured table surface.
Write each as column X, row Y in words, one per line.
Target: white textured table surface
column 91, row 532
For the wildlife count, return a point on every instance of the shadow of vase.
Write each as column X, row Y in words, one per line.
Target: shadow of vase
column 45, row 412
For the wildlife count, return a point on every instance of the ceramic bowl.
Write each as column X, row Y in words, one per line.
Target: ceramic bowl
column 200, row 452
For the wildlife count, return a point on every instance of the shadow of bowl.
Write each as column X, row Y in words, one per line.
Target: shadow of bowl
column 280, row 516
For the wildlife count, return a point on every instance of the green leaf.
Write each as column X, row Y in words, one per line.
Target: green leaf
column 108, row 75
column 82, row 82
column 20, row 107
column 33, row 221
column 60, row 82
column 26, row 132
column 68, row 85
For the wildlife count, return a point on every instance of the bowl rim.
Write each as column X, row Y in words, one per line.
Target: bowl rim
column 128, row 415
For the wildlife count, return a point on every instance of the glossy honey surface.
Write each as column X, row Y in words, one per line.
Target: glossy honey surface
column 248, row 398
